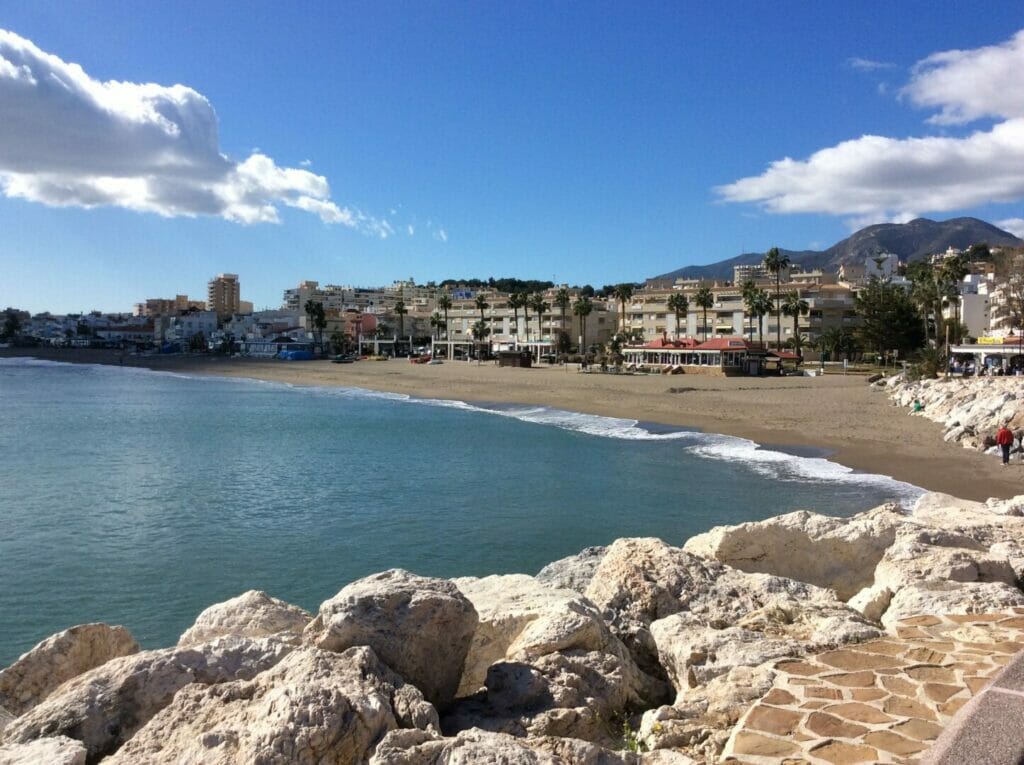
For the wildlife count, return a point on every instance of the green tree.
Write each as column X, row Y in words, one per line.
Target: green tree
column 678, row 304
column 775, row 262
column 562, row 300
column 436, row 322
column 889, row 318
column 481, row 305
column 339, row 341
column 444, row 302
column 762, row 306
column 317, row 320
column 516, row 300
column 400, row 312
column 951, row 276
column 749, row 291
column 704, row 299
column 12, row 325
column 480, row 332
column 623, row 293
column 583, row 308
column 795, row 306
column 539, row 305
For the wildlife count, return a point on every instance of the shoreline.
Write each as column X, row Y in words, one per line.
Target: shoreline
column 858, row 428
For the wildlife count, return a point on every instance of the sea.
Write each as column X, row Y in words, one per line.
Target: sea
column 135, row 497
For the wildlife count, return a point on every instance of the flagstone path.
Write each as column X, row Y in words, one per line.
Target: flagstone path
column 883, row 701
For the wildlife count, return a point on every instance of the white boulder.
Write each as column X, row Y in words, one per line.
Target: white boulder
column 58, row 750
column 59, row 658
column 251, row 614
column 104, row 707
column 418, row 626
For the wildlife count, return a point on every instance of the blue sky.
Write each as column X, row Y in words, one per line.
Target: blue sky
column 583, row 142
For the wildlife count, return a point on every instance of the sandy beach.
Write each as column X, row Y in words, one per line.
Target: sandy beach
column 860, row 427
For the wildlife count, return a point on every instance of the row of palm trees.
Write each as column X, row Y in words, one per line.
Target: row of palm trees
column 535, row 302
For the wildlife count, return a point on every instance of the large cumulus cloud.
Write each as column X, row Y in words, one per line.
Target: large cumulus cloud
column 874, row 178
column 67, row 139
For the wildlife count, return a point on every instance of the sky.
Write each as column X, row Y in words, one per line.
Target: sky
column 146, row 147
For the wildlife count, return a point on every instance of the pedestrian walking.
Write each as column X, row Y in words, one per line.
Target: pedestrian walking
column 1005, row 440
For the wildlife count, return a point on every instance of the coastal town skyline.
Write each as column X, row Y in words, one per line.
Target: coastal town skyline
column 573, row 147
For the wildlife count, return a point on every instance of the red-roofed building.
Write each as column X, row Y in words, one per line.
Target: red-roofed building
column 718, row 356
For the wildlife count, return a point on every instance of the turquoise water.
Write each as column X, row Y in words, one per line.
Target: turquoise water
column 140, row 498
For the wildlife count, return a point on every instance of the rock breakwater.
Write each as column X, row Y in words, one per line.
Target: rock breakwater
column 638, row 652
column 970, row 410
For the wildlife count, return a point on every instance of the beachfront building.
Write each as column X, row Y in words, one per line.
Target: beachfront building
column 648, row 317
column 185, row 326
column 720, row 356
column 223, row 294
column 519, row 328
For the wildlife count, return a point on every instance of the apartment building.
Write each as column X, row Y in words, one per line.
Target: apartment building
column 167, row 306
column 223, row 295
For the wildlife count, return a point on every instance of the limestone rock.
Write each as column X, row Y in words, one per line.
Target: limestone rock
column 313, row 707
column 871, row 601
column 642, row 580
column 420, row 627
column 936, row 597
column 693, row 653
column 104, row 707
column 251, row 614
column 839, row 553
column 478, row 747
column 58, row 750
column 1013, row 506
column 573, row 572
column 59, row 658
column 5, row 718
column 522, row 620
column 925, row 555
column 568, row 694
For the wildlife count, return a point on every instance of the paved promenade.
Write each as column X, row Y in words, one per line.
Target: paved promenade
column 888, row 700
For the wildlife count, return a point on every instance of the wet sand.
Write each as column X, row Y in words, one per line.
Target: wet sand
column 860, row 427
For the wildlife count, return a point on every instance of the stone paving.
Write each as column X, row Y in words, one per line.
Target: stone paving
column 884, row 701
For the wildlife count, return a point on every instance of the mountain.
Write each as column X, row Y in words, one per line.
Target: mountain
column 910, row 241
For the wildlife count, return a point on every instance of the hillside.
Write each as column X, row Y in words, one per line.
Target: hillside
column 910, row 241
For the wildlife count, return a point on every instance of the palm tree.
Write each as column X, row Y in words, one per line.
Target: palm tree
column 516, row 301
column 762, row 306
column 582, row 308
column 538, row 304
column 678, row 304
column 400, row 312
column 436, row 322
column 952, row 273
column 526, row 315
column 481, row 305
column 704, row 299
column 562, row 300
column 317, row 320
column 623, row 293
column 444, row 303
column 775, row 263
column 749, row 292
column 794, row 306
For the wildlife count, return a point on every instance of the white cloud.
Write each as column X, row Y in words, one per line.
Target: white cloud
column 67, row 139
column 868, row 65
column 411, row 229
column 1014, row 225
column 441, row 235
column 875, row 178
column 966, row 85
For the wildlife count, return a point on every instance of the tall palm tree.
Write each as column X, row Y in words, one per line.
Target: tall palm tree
column 481, row 305
column 623, row 293
column 775, row 263
column 400, row 312
column 794, row 306
column 763, row 304
column 704, row 299
column 539, row 305
column 562, row 300
column 678, row 304
column 582, row 308
column 516, row 301
column 317, row 320
column 444, row 302
column 436, row 322
column 952, row 273
column 749, row 291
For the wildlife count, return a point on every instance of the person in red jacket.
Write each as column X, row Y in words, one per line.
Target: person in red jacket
column 1005, row 440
